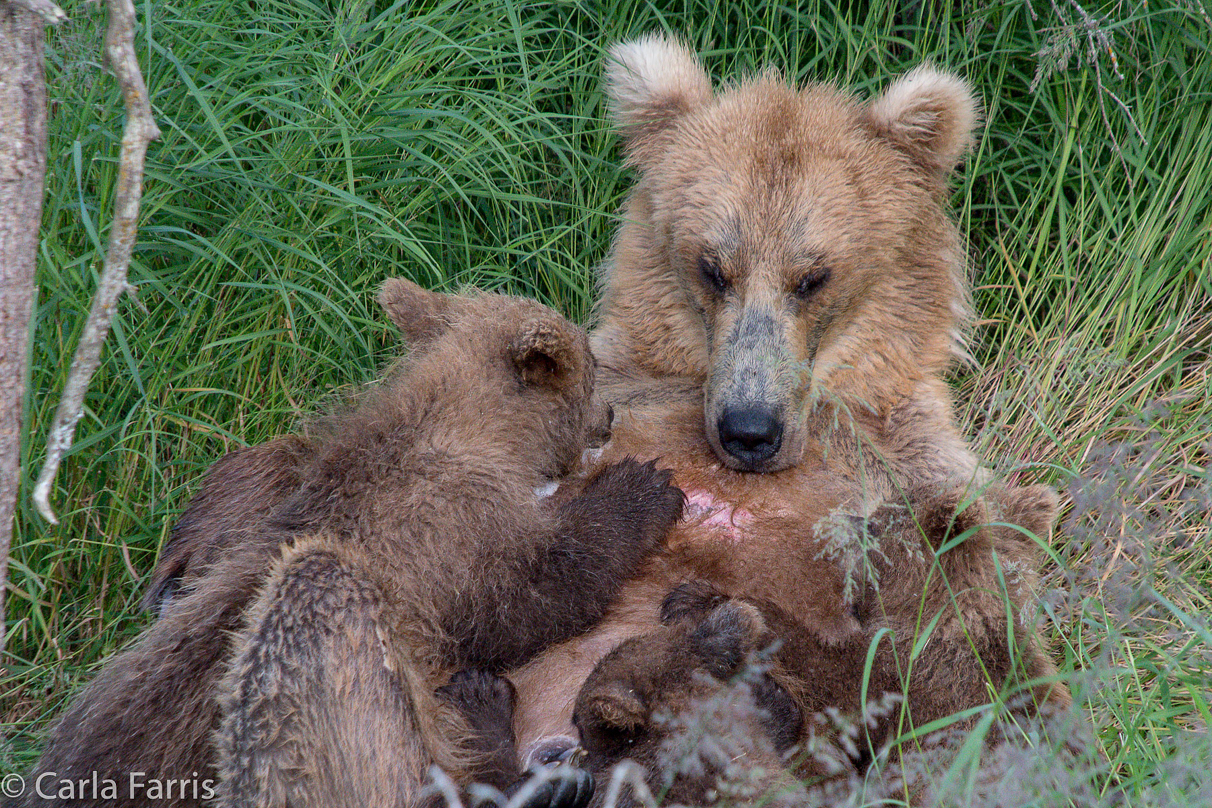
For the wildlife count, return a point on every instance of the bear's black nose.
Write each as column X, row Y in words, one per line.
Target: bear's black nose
column 751, row 434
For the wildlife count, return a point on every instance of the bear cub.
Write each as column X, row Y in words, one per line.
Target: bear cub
column 733, row 701
column 321, row 587
column 426, row 540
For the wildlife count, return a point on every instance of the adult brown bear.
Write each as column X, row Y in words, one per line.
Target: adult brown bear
column 782, row 301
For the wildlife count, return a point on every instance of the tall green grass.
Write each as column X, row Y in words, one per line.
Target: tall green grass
column 311, row 149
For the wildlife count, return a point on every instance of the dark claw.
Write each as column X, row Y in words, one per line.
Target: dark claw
column 553, row 749
column 570, row 788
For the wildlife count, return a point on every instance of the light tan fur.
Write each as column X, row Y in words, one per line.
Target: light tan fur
column 777, row 186
column 784, row 251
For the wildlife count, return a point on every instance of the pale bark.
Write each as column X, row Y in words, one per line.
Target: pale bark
column 140, row 130
column 43, row 8
column 22, row 168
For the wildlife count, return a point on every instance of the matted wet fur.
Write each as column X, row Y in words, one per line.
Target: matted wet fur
column 411, row 539
column 780, row 306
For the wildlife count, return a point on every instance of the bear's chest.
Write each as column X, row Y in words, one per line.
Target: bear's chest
column 792, row 537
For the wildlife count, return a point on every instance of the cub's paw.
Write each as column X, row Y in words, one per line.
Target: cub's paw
column 782, row 718
column 559, row 786
column 724, row 638
column 485, row 700
column 645, row 495
column 693, row 600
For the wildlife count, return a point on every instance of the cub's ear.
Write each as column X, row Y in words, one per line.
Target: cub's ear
column 547, row 353
column 928, row 114
column 651, row 82
column 618, row 707
column 722, row 640
column 1032, row 507
column 421, row 315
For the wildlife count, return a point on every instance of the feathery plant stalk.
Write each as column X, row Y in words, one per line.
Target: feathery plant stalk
column 312, row 149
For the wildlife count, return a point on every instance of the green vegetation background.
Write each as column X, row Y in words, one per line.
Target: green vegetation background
column 312, row 149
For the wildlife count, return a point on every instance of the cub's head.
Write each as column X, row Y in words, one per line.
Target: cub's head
column 684, row 703
column 783, row 240
column 509, row 372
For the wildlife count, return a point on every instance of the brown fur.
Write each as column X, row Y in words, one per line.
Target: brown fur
column 409, row 541
column 692, row 704
column 151, row 707
column 784, row 296
column 423, row 549
column 656, row 699
column 790, row 540
column 965, row 562
column 487, row 701
column 785, row 244
column 241, row 487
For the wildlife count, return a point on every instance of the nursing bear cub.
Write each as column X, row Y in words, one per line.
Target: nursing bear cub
column 401, row 541
column 733, row 701
column 422, row 548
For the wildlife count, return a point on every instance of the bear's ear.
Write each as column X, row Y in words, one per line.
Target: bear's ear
column 1032, row 507
column 421, row 315
column 651, row 82
column 928, row 114
column 618, row 708
column 545, row 353
column 723, row 638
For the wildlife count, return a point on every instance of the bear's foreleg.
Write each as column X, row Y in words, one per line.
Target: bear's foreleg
column 602, row 538
column 319, row 707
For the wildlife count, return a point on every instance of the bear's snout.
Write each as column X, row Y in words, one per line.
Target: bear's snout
column 751, row 434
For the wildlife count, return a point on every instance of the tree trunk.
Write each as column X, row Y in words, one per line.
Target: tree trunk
column 22, row 167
